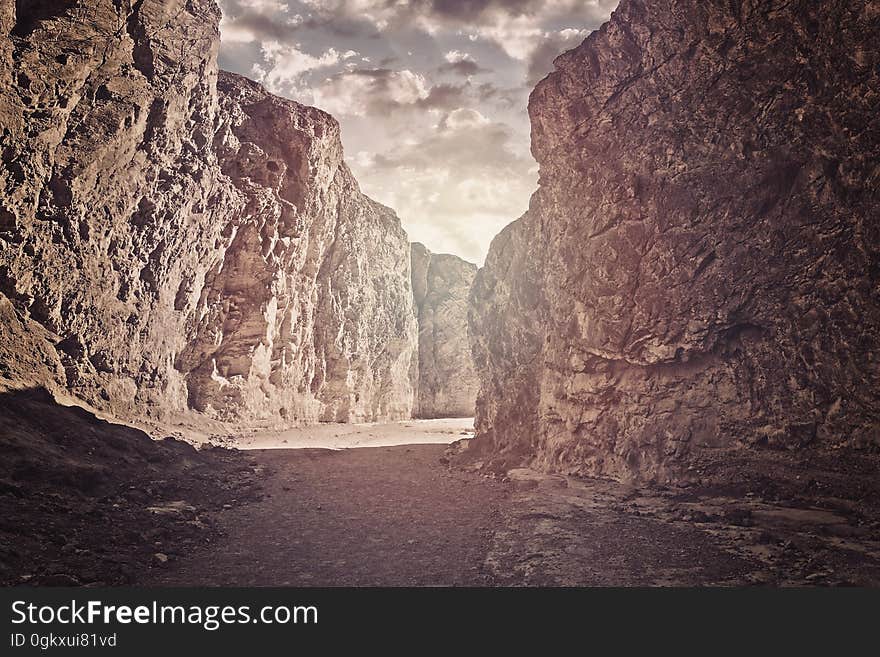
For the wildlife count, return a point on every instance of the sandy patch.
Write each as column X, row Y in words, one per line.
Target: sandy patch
column 345, row 436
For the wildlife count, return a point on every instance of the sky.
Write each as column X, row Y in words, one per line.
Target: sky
column 431, row 95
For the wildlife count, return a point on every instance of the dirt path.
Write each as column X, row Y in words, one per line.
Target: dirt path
column 389, row 516
column 87, row 502
column 397, row 516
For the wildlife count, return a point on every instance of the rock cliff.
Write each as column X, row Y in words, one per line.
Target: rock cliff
column 445, row 381
column 700, row 266
column 173, row 243
column 307, row 314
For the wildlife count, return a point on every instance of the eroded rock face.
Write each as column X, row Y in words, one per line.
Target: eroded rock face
column 177, row 249
column 506, row 349
column 111, row 193
column 446, row 384
column 700, row 265
column 308, row 315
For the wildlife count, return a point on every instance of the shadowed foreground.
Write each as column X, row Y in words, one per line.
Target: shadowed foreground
column 396, row 516
column 388, row 516
column 87, row 502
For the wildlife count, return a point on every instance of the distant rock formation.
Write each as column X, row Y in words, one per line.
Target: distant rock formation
column 700, row 267
column 445, row 381
column 171, row 247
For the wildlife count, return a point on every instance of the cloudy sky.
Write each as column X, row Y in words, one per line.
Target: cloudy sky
column 431, row 95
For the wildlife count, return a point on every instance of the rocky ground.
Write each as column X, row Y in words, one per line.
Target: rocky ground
column 148, row 512
column 765, row 519
column 86, row 502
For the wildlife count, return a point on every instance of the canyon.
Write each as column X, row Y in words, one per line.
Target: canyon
column 672, row 355
column 179, row 244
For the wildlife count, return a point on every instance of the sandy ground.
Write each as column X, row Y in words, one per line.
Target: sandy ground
column 345, row 436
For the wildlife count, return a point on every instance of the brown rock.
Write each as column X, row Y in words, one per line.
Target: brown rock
column 307, row 313
column 173, row 248
column 699, row 266
column 444, row 371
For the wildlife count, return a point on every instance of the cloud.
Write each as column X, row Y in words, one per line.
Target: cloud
column 525, row 36
column 257, row 27
column 284, row 65
column 469, row 10
column 463, row 139
column 461, row 63
column 359, row 92
column 517, row 36
column 518, row 27
column 553, row 44
column 430, row 94
column 455, row 56
column 463, row 118
column 454, row 186
column 258, row 20
column 264, row 6
column 383, row 93
column 445, row 97
column 386, row 14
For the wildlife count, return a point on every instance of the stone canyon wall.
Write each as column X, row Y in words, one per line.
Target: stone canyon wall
column 444, row 376
column 171, row 243
column 700, row 267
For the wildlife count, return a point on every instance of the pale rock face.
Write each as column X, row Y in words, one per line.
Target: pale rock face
column 506, row 349
column 307, row 314
column 446, row 383
column 172, row 249
column 700, row 265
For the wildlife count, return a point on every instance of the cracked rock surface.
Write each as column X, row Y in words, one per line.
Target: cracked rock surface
column 173, row 244
column 699, row 268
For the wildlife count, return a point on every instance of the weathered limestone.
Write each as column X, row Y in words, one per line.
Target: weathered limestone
column 307, row 314
column 182, row 248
